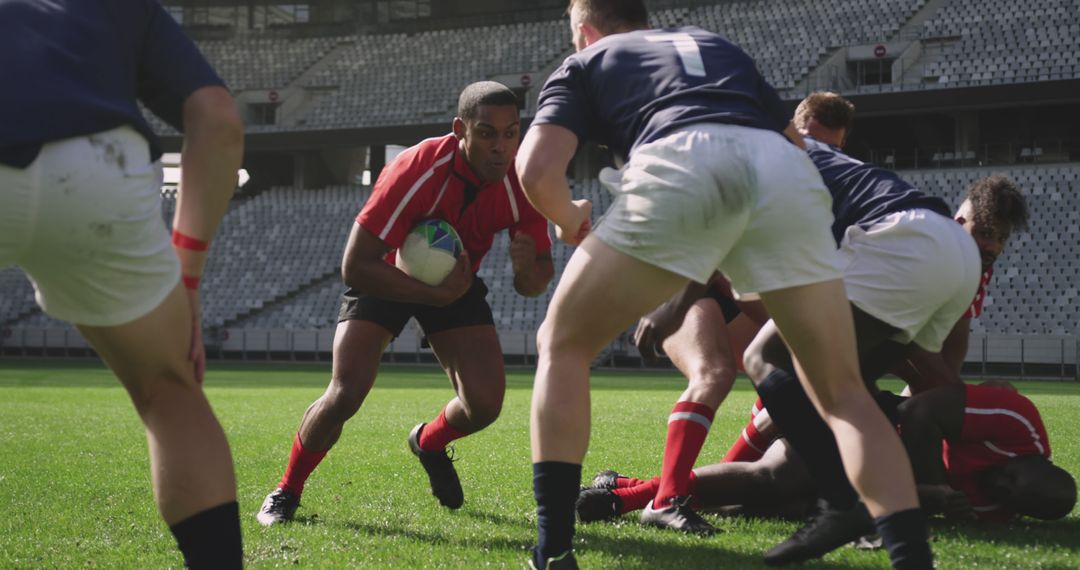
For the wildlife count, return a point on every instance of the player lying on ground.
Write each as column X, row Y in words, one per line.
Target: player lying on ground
column 466, row 179
column 995, row 466
column 80, row 212
column 709, row 183
column 910, row 272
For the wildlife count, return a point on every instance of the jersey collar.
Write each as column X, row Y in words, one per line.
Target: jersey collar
column 464, row 171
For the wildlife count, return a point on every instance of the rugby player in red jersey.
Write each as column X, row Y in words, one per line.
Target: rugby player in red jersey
column 465, row 178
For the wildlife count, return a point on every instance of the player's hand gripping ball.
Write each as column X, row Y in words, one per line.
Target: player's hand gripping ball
column 430, row 251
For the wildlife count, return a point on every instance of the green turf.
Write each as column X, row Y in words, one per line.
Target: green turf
column 75, row 491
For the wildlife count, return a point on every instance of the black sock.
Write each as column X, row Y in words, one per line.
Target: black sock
column 791, row 409
column 555, row 486
column 211, row 539
column 904, row 535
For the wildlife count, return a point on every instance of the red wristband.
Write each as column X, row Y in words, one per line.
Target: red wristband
column 190, row 282
column 187, row 242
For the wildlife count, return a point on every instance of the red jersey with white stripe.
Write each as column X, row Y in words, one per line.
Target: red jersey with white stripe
column 431, row 180
column 998, row 424
column 976, row 307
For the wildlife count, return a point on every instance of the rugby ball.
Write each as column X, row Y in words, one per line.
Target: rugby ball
column 429, row 252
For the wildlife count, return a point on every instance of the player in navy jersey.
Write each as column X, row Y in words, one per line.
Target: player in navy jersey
column 910, row 272
column 985, row 196
column 466, row 179
column 709, row 183
column 80, row 212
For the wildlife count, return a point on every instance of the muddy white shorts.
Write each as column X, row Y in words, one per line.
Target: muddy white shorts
column 84, row 221
column 915, row 270
column 711, row 196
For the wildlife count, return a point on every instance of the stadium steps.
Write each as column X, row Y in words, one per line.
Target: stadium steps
column 284, row 299
column 913, row 28
column 312, row 96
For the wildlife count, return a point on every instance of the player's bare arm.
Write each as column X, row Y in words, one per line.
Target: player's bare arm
column 541, row 167
column 532, row 271
column 365, row 269
column 212, row 152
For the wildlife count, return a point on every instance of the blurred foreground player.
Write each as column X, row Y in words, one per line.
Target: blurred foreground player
column 709, row 183
column 80, row 212
column 466, row 179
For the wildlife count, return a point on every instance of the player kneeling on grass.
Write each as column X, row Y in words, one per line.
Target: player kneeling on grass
column 986, row 199
column 80, row 212
column 995, row 465
column 910, row 272
column 465, row 178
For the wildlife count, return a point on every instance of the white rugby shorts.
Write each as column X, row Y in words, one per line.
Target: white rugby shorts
column 84, row 221
column 915, row 270
column 716, row 196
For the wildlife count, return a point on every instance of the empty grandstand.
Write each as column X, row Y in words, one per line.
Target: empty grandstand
column 947, row 90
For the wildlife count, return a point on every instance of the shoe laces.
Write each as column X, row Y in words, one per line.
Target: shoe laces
column 279, row 500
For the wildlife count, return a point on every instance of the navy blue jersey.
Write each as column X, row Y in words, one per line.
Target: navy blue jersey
column 629, row 89
column 76, row 67
column 863, row 193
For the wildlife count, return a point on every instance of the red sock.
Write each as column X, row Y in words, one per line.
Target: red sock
column 438, row 433
column 301, row 463
column 635, row 498
column 621, row 482
column 755, row 438
column 688, row 425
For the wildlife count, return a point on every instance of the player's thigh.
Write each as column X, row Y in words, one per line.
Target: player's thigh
column 701, row 346
column 358, row 348
column 150, row 350
column 473, row 360
column 602, row 292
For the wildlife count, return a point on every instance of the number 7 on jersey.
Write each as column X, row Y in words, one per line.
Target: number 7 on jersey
column 688, row 51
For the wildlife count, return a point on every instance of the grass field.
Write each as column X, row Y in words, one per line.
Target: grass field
column 75, row 490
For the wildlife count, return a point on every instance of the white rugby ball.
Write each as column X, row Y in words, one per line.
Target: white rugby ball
column 430, row 251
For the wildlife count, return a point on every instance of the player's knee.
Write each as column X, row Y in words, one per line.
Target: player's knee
column 712, row 377
column 162, row 388
column 754, row 363
column 484, row 412
column 551, row 339
column 345, row 395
